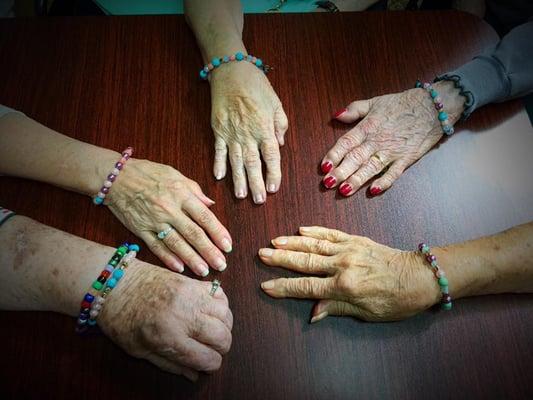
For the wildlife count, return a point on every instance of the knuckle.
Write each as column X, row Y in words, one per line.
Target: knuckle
column 192, row 231
column 271, row 154
column 251, row 160
column 205, row 217
column 345, row 284
column 347, row 142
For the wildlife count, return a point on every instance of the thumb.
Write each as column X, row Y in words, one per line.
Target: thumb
column 280, row 125
column 354, row 111
column 332, row 307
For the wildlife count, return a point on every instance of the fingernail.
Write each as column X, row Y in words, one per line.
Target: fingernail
column 305, row 228
column 329, row 181
column 319, row 317
column 221, row 264
column 210, row 201
column 218, row 177
column 345, row 189
column 258, row 199
column 280, row 240
column 203, row 269
column 339, row 113
column 240, row 194
column 375, row 191
column 271, row 188
column 326, row 166
column 178, row 266
column 266, row 252
column 268, row 285
column 226, row 245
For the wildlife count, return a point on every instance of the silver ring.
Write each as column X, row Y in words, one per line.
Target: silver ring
column 163, row 234
column 214, row 287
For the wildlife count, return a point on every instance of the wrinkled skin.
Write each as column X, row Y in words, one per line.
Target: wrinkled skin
column 354, row 276
column 395, row 131
column 169, row 320
column 249, row 123
column 149, row 197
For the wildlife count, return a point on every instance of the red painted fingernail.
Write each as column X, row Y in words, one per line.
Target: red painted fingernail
column 375, row 191
column 326, row 166
column 329, row 181
column 339, row 113
column 345, row 189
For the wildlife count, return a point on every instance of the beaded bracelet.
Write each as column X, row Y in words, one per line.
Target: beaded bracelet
column 447, row 128
column 104, row 190
column 5, row 214
column 446, row 299
column 97, row 286
column 117, row 274
column 217, row 62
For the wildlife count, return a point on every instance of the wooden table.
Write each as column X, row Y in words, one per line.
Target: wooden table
column 132, row 80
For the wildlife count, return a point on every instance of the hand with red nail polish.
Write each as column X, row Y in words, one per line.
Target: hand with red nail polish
column 351, row 275
column 395, row 131
column 150, row 198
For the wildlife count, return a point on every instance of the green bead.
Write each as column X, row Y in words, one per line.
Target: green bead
column 97, row 285
column 425, row 249
column 446, row 306
column 113, row 263
column 122, row 250
column 443, row 281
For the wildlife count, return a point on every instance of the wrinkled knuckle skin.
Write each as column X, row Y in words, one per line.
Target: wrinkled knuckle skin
column 347, row 142
column 192, row 231
column 345, row 284
column 252, row 161
column 205, row 218
column 271, row 155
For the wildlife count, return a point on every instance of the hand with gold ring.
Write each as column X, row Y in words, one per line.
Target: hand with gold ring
column 395, row 131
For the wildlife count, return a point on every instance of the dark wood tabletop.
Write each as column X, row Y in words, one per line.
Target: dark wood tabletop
column 117, row 81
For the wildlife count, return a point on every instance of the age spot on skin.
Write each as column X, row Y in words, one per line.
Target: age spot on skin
column 55, row 272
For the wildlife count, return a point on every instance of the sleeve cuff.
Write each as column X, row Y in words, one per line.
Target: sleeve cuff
column 5, row 110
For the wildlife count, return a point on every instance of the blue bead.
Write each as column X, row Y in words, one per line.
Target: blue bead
column 117, row 274
column 98, row 200
column 239, row 56
column 418, row 84
column 134, row 247
column 249, row 57
column 92, row 322
column 448, row 130
column 443, row 116
column 203, row 74
column 215, row 62
column 433, row 93
column 258, row 62
column 225, row 59
column 82, row 321
column 88, row 298
column 112, row 282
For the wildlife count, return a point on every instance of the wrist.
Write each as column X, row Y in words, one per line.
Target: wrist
column 452, row 99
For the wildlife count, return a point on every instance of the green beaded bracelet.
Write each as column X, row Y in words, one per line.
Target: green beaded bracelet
column 446, row 299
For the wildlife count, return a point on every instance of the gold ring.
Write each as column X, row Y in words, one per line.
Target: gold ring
column 383, row 163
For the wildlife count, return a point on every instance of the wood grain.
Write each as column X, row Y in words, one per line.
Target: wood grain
column 117, row 81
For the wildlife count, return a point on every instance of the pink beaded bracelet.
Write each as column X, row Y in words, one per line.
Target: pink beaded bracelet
column 104, row 190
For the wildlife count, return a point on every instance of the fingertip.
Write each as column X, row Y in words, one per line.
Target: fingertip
column 319, row 317
column 272, row 188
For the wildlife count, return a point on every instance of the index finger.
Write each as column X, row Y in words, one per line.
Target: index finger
column 300, row 288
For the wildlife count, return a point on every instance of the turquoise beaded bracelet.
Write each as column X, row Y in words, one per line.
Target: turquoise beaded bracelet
column 446, row 299
column 447, row 128
column 217, row 62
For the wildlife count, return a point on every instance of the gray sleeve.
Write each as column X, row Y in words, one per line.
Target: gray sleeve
column 4, row 110
column 500, row 73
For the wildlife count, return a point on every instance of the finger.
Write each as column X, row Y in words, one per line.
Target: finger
column 198, row 239
column 193, row 354
column 272, row 158
column 178, row 245
column 252, row 163
column 307, row 245
column 354, row 111
column 172, row 367
column 368, row 170
column 219, row 293
column 281, row 123
column 217, row 309
column 319, row 232
column 351, row 163
column 350, row 140
column 162, row 252
column 308, row 263
column 390, row 176
column 332, row 307
column 209, row 222
column 197, row 190
column 300, row 288
column 213, row 333
column 237, row 171
column 221, row 158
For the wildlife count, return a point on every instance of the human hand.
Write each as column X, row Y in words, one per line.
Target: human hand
column 169, row 320
column 249, row 122
column 396, row 130
column 356, row 276
column 149, row 198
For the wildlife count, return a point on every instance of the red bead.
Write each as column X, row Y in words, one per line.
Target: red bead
column 85, row 304
column 329, row 181
column 105, row 274
column 326, row 167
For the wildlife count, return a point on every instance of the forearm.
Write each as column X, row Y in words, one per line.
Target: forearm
column 31, row 150
column 217, row 26
column 44, row 269
column 502, row 263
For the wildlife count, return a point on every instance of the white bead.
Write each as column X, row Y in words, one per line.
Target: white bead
column 108, row 184
column 437, row 99
column 97, row 307
column 100, row 300
column 93, row 314
column 445, row 122
column 101, row 195
column 115, row 171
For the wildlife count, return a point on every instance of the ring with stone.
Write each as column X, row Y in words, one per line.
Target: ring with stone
column 214, row 287
column 163, row 234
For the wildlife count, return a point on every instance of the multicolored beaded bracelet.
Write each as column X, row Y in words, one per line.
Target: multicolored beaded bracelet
column 5, row 214
column 97, row 286
column 117, row 274
column 447, row 128
column 217, row 62
column 104, row 190
column 446, row 299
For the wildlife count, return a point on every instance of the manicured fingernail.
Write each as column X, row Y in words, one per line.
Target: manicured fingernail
column 305, row 228
column 218, row 176
column 258, row 199
column 240, row 194
column 178, row 266
column 339, row 113
column 329, row 181
column 268, row 285
column 375, row 191
column 326, row 166
column 271, row 188
column 203, row 270
column 210, row 201
column 266, row 252
column 345, row 189
column 226, row 245
column 221, row 264
column 319, row 317
column 280, row 240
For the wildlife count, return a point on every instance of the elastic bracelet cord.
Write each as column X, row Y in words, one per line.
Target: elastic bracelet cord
column 107, row 279
column 447, row 127
column 217, row 62
column 104, row 190
column 446, row 299
column 5, row 214
column 468, row 95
